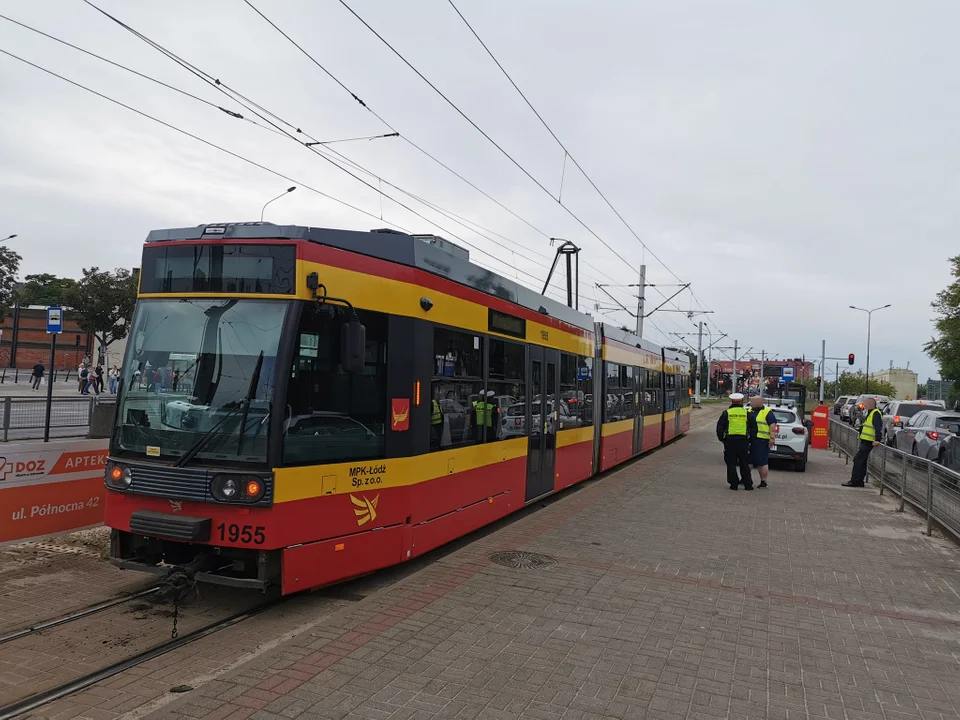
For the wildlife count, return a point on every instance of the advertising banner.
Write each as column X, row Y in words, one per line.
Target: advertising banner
column 48, row 488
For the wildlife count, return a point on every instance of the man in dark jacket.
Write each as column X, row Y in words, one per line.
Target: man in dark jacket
column 38, row 371
column 870, row 433
column 736, row 428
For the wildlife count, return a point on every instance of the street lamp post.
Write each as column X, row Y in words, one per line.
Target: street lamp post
column 866, row 387
column 288, row 190
column 8, row 237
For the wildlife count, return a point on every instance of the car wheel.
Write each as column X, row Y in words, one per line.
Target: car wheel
column 801, row 464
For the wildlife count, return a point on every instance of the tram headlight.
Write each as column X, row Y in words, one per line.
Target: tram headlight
column 237, row 488
column 118, row 476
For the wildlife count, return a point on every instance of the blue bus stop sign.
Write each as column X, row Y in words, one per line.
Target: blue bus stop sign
column 787, row 373
column 54, row 320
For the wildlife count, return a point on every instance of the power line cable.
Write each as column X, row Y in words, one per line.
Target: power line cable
column 566, row 152
column 485, row 135
column 559, row 142
column 265, row 114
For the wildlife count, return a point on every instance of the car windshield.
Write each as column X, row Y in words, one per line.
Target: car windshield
column 851, row 401
column 199, row 366
column 947, row 420
column 515, row 410
column 783, row 417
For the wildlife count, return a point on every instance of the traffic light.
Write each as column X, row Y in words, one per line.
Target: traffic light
column 850, row 359
column 819, row 379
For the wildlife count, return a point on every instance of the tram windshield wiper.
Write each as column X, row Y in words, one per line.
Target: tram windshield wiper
column 198, row 444
column 244, row 405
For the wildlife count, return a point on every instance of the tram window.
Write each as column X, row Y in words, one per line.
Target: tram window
column 652, row 399
column 613, row 405
column 457, row 385
column 332, row 416
column 585, row 384
column 457, row 354
column 570, row 394
column 628, row 390
column 506, row 362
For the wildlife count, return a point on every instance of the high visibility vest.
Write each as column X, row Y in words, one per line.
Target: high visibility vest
column 737, row 421
column 435, row 417
column 868, row 432
column 484, row 412
column 763, row 427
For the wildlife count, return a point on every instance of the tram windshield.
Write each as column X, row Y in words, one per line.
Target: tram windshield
column 200, row 368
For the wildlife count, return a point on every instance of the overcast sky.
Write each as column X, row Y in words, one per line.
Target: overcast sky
column 787, row 159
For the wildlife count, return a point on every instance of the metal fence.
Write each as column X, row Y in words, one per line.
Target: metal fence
column 926, row 485
column 24, row 417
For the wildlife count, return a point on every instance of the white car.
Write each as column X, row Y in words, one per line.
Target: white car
column 793, row 437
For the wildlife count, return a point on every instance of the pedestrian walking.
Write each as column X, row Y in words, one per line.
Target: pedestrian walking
column 735, row 429
column 113, row 379
column 83, row 374
column 871, row 429
column 760, row 446
column 37, row 375
column 98, row 378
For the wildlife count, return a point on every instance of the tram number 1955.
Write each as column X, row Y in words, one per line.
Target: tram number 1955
column 242, row 533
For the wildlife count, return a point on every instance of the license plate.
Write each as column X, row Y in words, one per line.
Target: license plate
column 781, row 437
column 516, row 423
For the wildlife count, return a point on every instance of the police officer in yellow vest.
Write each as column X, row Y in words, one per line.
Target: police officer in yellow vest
column 735, row 429
column 870, row 433
column 483, row 417
column 766, row 437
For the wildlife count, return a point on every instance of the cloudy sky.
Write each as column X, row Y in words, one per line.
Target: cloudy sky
column 787, row 159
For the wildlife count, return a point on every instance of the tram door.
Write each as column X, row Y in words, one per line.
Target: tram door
column 680, row 392
column 543, row 420
column 639, row 387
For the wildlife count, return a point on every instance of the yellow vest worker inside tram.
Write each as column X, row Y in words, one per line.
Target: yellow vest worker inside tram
column 735, row 429
column 483, row 415
column 436, row 421
column 765, row 441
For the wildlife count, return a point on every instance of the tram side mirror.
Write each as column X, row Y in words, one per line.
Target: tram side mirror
column 353, row 343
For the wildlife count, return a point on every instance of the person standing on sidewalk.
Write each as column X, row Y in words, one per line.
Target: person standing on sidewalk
column 113, row 378
column 761, row 445
column 735, row 429
column 870, row 431
column 37, row 375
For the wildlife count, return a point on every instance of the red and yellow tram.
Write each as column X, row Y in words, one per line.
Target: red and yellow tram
column 299, row 405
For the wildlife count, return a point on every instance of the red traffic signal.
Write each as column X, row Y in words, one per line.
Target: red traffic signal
column 819, row 379
column 850, row 359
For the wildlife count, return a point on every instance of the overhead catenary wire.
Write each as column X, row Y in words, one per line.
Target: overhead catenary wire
column 273, row 119
column 213, row 145
column 487, row 136
column 566, row 151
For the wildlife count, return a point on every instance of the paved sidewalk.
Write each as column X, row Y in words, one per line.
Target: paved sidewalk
column 669, row 597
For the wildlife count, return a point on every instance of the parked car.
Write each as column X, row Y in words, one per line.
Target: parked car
column 792, row 438
column 897, row 413
column 926, row 432
column 846, row 408
column 841, row 401
column 857, row 411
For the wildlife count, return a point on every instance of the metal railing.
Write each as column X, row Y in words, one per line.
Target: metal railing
column 25, row 417
column 926, row 485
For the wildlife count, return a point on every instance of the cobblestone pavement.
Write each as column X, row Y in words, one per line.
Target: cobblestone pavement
column 668, row 597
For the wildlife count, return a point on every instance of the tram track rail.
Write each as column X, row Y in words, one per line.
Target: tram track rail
column 75, row 615
column 37, row 700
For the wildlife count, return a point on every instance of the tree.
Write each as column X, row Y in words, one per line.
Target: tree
column 945, row 349
column 9, row 267
column 43, row 289
column 102, row 303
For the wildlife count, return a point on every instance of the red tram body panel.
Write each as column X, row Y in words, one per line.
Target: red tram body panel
column 263, row 438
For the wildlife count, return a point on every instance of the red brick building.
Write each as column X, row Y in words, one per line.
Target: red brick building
column 25, row 341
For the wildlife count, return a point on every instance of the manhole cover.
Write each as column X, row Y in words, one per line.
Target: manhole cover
column 522, row 560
